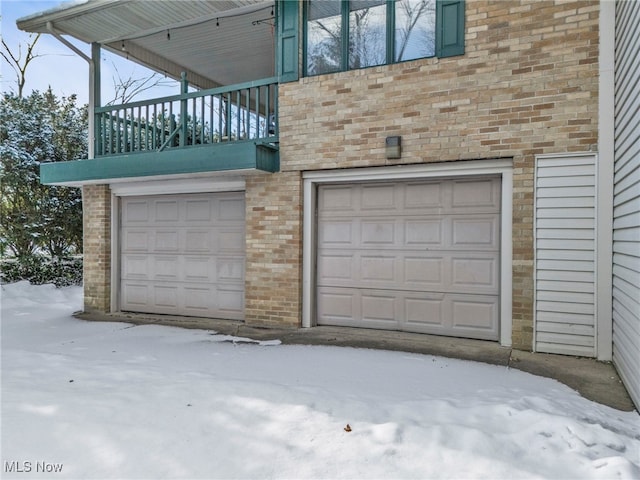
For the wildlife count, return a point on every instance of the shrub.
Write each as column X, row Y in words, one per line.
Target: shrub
column 38, row 269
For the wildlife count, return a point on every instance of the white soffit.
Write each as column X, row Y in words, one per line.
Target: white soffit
column 216, row 42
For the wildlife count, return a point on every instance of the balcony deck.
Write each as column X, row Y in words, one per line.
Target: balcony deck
column 232, row 128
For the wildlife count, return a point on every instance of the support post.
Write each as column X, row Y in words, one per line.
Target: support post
column 184, row 88
column 95, row 133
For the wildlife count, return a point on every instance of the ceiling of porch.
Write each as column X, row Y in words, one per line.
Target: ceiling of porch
column 217, row 42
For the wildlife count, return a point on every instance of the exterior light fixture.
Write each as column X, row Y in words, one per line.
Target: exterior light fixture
column 393, row 147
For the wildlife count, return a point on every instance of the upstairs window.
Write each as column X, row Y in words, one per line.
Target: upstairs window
column 345, row 35
column 415, row 29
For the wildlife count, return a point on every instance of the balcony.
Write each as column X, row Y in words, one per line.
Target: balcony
column 234, row 52
column 232, row 128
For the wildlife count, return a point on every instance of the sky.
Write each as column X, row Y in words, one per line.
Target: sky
column 103, row 400
column 58, row 66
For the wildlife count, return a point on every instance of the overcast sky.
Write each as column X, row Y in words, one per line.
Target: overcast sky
column 57, row 66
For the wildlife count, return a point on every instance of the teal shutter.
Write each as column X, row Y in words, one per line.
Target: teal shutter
column 449, row 28
column 287, row 43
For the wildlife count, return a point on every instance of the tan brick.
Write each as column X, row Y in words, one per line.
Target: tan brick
column 96, row 210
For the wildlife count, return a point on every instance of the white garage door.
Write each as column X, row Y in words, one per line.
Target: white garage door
column 183, row 254
column 418, row 256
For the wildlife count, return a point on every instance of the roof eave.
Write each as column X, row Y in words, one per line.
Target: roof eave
column 37, row 22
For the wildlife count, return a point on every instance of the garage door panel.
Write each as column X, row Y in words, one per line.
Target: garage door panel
column 136, row 267
column 198, row 269
column 378, row 232
column 198, row 211
column 198, row 301
column 424, row 312
column 475, row 232
column 166, row 268
column 475, row 315
column 332, row 267
column 136, row 240
column 187, row 256
column 230, row 270
column 423, row 233
column 424, row 196
column 230, row 241
column 231, row 302
column 231, row 209
column 339, row 199
column 474, row 272
column 135, row 295
column 378, row 197
column 477, row 275
column 476, row 194
column 423, row 273
column 165, row 297
column 379, row 308
column 377, row 268
column 411, row 256
column 337, row 306
column 336, row 234
column 137, row 212
column 166, row 241
column 166, row 211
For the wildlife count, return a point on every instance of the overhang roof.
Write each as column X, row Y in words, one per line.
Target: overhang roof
column 217, row 42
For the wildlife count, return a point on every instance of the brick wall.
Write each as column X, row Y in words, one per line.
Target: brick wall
column 96, row 212
column 273, row 250
column 527, row 85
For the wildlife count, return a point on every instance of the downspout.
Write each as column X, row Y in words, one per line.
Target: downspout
column 94, row 82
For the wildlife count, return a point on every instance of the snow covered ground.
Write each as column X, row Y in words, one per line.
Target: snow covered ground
column 112, row 400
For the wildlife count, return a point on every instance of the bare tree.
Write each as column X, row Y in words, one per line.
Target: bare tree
column 19, row 63
column 126, row 89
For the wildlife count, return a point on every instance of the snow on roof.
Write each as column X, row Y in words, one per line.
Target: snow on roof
column 63, row 6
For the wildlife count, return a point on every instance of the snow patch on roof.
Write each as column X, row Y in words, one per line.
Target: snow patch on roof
column 58, row 8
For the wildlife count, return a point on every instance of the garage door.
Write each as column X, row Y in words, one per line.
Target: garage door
column 417, row 256
column 183, row 254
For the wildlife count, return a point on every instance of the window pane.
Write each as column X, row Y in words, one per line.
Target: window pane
column 367, row 33
column 324, row 31
column 415, row 29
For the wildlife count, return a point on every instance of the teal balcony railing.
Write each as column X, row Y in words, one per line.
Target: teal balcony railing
column 234, row 113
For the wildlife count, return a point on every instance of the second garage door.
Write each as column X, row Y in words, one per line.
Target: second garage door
column 417, row 256
column 183, row 254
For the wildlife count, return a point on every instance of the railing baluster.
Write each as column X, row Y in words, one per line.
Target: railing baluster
column 227, row 126
column 247, row 110
column 110, row 119
column 258, row 111
column 267, row 112
column 154, row 127
column 125, row 131
column 241, row 112
column 219, row 98
column 146, row 127
column 211, row 128
column 238, row 112
column 203, row 131
column 139, row 128
column 194, row 121
column 172, row 122
column 162, row 124
column 118, row 135
column 276, row 118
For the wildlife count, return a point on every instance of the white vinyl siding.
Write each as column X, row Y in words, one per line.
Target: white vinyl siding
column 626, row 204
column 565, row 255
column 420, row 256
column 183, row 254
